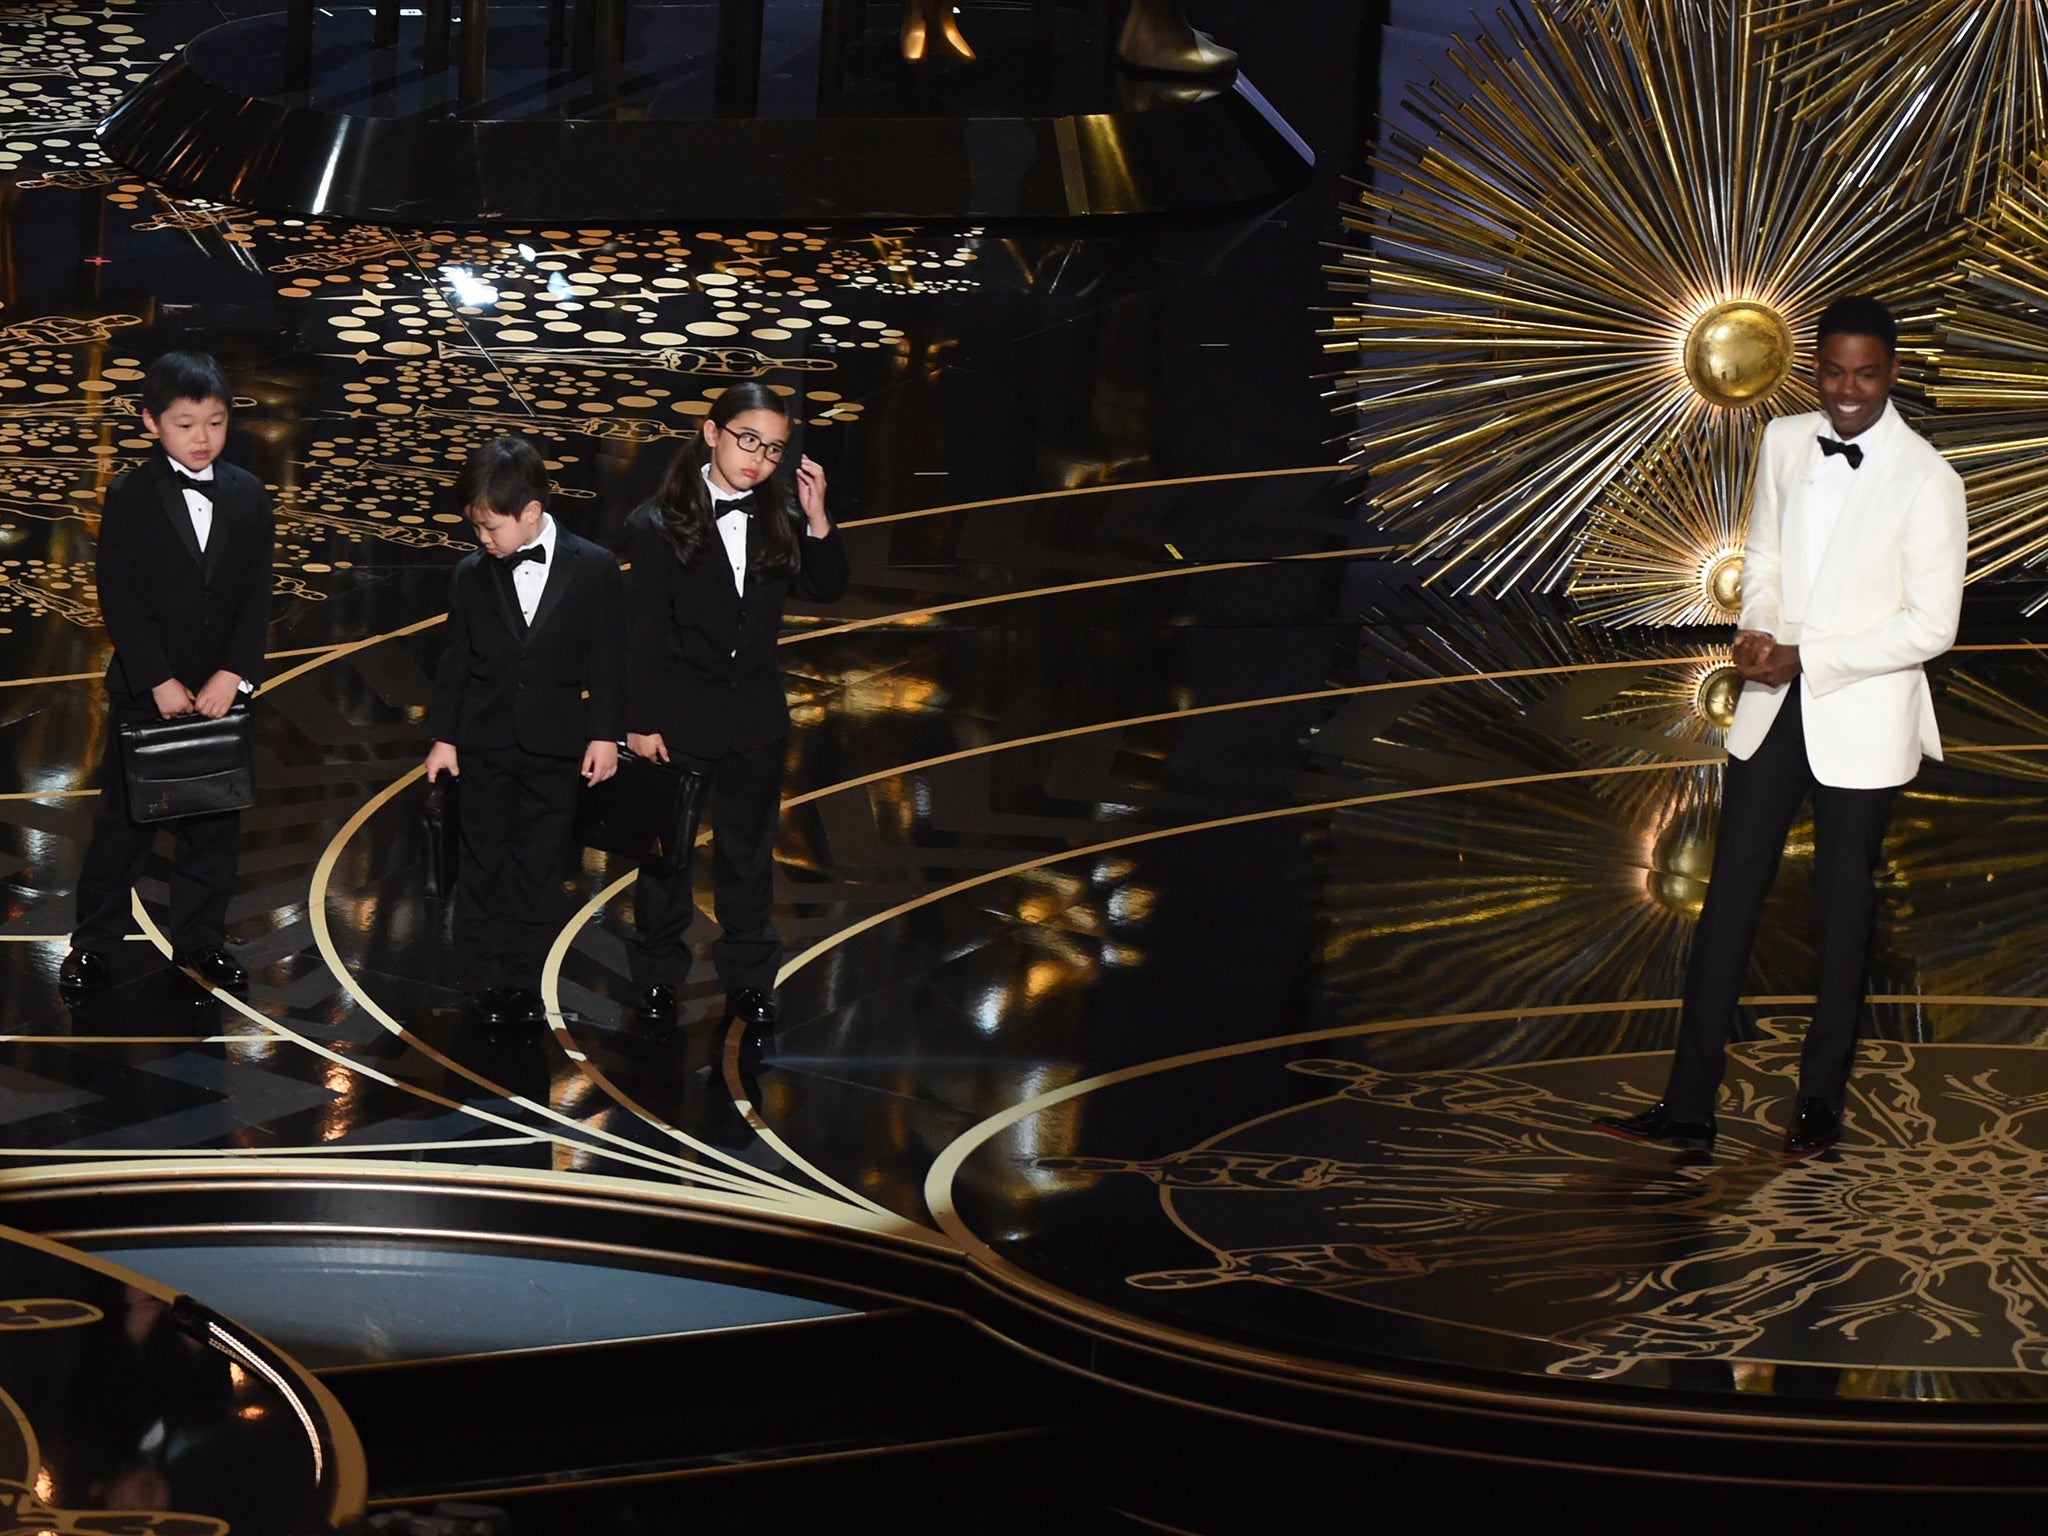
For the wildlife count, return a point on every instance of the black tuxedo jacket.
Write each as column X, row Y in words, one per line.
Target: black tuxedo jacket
column 171, row 610
column 701, row 660
column 551, row 688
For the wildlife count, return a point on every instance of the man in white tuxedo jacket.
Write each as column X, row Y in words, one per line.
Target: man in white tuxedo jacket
column 1852, row 579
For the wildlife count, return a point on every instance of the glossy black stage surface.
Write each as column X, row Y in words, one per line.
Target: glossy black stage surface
column 1206, row 943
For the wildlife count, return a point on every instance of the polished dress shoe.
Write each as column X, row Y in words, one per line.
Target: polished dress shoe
column 214, row 966
column 1658, row 1124
column 505, row 1008
column 523, row 1006
column 487, row 1010
column 752, row 1005
column 657, row 1004
column 1814, row 1129
column 84, row 972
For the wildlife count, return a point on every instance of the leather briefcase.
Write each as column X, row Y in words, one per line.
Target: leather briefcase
column 647, row 811
column 188, row 765
column 441, row 824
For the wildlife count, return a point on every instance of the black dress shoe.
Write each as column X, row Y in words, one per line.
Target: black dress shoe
column 1658, row 1124
column 214, row 966
column 1814, row 1129
column 752, row 1005
column 84, row 972
column 657, row 1004
column 505, row 1008
column 486, row 1010
column 525, row 1007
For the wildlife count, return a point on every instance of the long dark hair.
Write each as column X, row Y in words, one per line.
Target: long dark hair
column 685, row 505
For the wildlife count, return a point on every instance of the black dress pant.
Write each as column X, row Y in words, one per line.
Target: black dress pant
column 745, row 811
column 203, row 861
column 518, row 819
column 1759, row 800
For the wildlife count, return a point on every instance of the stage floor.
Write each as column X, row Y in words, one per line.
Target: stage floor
column 1217, row 939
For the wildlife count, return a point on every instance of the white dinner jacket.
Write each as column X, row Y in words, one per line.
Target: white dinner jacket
column 1884, row 599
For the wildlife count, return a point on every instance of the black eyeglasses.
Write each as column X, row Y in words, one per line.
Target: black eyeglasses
column 754, row 442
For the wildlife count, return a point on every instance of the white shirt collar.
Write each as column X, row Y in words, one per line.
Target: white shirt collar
column 191, row 474
column 546, row 540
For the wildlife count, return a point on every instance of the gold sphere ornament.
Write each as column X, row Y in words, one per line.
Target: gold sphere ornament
column 1679, row 868
column 1721, row 581
column 1714, row 699
column 1738, row 352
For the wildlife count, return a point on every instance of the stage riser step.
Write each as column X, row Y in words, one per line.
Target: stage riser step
column 829, row 1389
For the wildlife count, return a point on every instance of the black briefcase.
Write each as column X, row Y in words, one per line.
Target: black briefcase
column 441, row 827
column 647, row 811
column 188, row 765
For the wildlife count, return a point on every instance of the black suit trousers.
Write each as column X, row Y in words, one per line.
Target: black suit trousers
column 518, row 821
column 745, row 811
column 1759, row 800
column 203, row 860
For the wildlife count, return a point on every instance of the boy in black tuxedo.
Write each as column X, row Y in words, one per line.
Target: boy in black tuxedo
column 184, row 582
column 527, row 701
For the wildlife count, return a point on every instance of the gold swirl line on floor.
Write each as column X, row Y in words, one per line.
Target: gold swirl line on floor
column 94, row 677
column 1129, row 579
column 285, row 1034
column 742, row 1101
column 349, row 648
column 1098, row 490
column 558, row 1023
column 1000, row 1121
column 551, row 981
column 1160, row 717
column 557, row 952
column 1157, row 834
column 939, row 1180
column 736, row 1088
column 629, row 1151
column 329, row 652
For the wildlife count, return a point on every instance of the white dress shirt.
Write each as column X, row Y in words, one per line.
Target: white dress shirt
column 200, row 506
column 732, row 530
column 198, row 503
column 530, row 577
column 1829, row 488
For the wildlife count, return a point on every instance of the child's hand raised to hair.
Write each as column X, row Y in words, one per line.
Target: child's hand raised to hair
column 810, row 495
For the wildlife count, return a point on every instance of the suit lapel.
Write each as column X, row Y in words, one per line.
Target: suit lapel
column 172, row 498
column 498, row 593
column 1795, row 578
column 559, row 579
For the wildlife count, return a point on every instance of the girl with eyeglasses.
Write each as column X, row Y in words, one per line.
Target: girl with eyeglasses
column 713, row 558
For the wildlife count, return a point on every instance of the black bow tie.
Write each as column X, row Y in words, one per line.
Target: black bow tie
column 537, row 553
column 189, row 482
column 1850, row 451
column 735, row 504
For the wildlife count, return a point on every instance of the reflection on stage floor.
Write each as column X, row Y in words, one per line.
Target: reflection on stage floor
column 1198, row 927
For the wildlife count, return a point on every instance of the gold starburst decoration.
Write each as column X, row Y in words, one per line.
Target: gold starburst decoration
column 1991, row 380
column 1664, row 542
column 1964, row 81
column 1619, row 235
